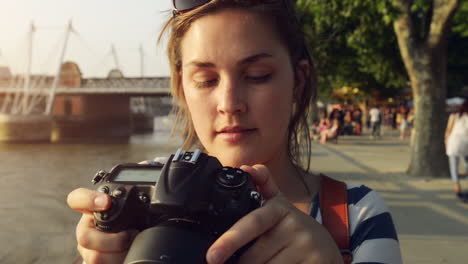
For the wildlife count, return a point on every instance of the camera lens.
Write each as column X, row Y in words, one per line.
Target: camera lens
column 169, row 244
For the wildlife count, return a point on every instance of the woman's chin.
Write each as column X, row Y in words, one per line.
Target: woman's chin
column 237, row 159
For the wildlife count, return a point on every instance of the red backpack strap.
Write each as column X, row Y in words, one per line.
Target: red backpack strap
column 334, row 209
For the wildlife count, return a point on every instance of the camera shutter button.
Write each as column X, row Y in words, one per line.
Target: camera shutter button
column 119, row 192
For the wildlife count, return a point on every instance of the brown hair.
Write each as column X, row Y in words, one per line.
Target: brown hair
column 463, row 108
column 290, row 33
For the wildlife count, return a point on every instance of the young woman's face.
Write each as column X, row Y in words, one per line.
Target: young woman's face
column 238, row 84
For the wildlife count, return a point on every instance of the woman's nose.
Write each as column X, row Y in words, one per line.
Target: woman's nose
column 231, row 98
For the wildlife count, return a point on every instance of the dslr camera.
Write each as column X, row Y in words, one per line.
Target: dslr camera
column 181, row 207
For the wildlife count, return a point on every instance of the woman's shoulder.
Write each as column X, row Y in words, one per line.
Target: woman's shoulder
column 363, row 202
column 359, row 193
column 370, row 223
column 457, row 115
column 367, row 212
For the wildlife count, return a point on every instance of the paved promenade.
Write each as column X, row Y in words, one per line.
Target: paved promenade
column 432, row 225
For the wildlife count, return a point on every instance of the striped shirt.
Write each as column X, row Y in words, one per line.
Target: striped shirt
column 373, row 235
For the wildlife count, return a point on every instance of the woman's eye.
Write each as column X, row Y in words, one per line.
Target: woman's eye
column 259, row 78
column 206, row 84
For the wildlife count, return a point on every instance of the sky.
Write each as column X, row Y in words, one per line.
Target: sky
column 125, row 24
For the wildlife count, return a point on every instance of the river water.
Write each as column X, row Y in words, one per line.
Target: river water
column 36, row 225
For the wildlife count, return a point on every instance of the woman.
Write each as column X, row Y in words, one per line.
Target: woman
column 404, row 126
column 456, row 142
column 318, row 126
column 331, row 132
column 241, row 76
column 357, row 119
column 324, row 123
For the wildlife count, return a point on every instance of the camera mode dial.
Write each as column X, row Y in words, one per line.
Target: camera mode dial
column 231, row 177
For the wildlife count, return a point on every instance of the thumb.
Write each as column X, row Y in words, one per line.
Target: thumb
column 262, row 178
column 88, row 201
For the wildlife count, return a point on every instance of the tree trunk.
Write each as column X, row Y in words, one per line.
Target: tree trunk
column 428, row 150
column 426, row 63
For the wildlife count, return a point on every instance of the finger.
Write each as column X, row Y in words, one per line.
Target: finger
column 261, row 177
column 286, row 255
column 89, row 237
column 245, row 230
column 87, row 201
column 266, row 247
column 93, row 256
column 299, row 251
column 292, row 242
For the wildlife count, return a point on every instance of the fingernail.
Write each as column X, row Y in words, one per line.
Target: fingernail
column 215, row 256
column 100, row 202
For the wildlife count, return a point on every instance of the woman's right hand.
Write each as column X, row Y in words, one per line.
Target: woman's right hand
column 95, row 246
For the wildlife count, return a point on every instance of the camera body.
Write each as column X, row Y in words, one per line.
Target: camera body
column 181, row 207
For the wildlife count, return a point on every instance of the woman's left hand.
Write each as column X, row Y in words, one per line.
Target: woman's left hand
column 285, row 234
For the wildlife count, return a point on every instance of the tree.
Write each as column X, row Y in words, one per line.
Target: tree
column 422, row 39
column 372, row 34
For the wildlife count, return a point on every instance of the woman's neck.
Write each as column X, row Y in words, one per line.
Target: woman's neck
column 295, row 184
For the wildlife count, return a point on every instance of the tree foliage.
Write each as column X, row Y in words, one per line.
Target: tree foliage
column 353, row 43
column 458, row 52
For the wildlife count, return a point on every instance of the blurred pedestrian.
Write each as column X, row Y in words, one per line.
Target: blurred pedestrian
column 357, row 119
column 319, row 126
column 456, row 142
column 375, row 121
column 404, row 125
column 348, row 123
column 331, row 132
column 393, row 115
column 411, row 118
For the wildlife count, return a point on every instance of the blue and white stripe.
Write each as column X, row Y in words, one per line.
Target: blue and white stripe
column 373, row 235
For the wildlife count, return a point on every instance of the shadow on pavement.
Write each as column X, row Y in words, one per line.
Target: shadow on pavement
column 432, row 223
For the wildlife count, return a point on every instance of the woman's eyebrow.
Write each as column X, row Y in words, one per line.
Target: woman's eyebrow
column 248, row 60
column 254, row 58
column 200, row 64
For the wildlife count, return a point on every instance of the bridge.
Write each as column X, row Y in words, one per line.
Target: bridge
column 113, row 107
column 67, row 106
column 146, row 86
column 131, row 92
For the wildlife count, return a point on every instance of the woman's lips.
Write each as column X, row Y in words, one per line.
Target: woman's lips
column 234, row 136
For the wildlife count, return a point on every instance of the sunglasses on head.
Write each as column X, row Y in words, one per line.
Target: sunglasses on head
column 182, row 6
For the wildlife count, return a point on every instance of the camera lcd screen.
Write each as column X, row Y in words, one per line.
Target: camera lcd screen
column 138, row 175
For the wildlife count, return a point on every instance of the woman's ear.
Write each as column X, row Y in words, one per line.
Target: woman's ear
column 302, row 74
